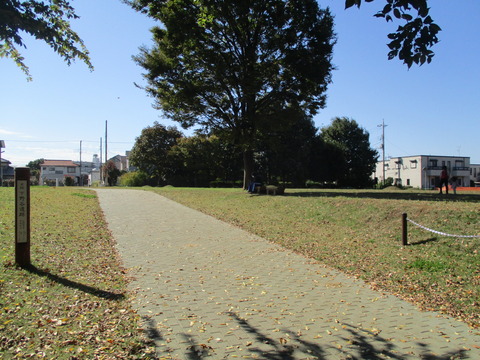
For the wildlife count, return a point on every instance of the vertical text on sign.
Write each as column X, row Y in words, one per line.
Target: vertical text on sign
column 22, row 211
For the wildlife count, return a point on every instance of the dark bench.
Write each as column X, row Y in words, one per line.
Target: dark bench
column 270, row 190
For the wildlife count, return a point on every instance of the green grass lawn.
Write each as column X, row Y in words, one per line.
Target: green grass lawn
column 359, row 233
column 73, row 302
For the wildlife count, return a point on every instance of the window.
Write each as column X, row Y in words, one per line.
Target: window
column 413, row 164
column 433, row 162
column 58, row 172
column 51, row 169
column 71, row 170
column 408, row 182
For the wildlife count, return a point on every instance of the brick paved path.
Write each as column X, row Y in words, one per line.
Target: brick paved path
column 206, row 289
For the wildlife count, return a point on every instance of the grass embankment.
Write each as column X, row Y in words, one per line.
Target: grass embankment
column 359, row 232
column 72, row 303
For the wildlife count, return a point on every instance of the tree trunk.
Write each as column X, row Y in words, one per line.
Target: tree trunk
column 248, row 165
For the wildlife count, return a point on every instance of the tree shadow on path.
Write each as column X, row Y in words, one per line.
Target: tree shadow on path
column 353, row 344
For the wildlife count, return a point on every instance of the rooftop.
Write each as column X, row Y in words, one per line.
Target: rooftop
column 58, row 163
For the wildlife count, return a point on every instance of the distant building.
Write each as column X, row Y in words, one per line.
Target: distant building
column 423, row 171
column 475, row 174
column 54, row 172
column 122, row 162
column 7, row 172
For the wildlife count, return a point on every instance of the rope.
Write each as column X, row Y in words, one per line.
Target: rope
column 442, row 233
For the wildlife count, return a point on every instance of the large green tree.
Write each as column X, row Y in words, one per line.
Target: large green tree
column 285, row 153
column 200, row 159
column 151, row 153
column 44, row 20
column 353, row 142
column 233, row 67
column 411, row 42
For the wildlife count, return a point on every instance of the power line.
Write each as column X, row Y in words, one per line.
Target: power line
column 68, row 141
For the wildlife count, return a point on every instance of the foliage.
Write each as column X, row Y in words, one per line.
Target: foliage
column 234, row 68
column 359, row 232
column 112, row 172
column 387, row 183
column 69, row 181
column 151, row 152
column 285, row 153
column 290, row 154
column 34, row 166
column 225, row 184
column 73, row 302
column 134, row 178
column 353, row 142
column 47, row 21
column 411, row 42
column 199, row 159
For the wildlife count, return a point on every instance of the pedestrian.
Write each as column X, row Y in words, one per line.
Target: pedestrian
column 444, row 180
column 255, row 182
column 454, row 184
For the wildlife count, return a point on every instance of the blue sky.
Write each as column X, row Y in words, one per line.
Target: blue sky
column 429, row 110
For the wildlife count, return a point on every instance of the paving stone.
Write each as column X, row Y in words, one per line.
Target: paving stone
column 206, row 289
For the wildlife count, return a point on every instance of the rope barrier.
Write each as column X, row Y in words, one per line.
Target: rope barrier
column 442, row 233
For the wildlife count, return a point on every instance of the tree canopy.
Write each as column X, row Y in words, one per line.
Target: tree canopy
column 413, row 41
column 43, row 20
column 151, row 152
column 237, row 68
column 353, row 143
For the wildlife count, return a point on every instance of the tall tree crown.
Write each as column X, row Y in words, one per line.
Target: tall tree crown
column 231, row 65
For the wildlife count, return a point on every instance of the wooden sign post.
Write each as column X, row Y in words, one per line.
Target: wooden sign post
column 22, row 216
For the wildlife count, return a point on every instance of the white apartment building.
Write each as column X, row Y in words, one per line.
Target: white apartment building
column 475, row 174
column 423, row 171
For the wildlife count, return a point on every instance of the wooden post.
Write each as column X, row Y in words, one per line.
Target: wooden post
column 404, row 230
column 22, row 216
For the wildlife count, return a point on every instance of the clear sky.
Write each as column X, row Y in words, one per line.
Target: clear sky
column 429, row 110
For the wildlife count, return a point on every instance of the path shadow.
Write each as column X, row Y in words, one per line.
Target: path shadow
column 379, row 194
column 356, row 344
column 426, row 241
column 75, row 285
column 362, row 339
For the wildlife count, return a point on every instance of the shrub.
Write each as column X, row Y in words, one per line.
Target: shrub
column 134, row 178
column 69, row 181
column 388, row 182
column 225, row 184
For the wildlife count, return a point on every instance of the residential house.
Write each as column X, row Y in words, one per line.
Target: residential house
column 423, row 171
column 54, row 172
column 7, row 173
column 122, row 162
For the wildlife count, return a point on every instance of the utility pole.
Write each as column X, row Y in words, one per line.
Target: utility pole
column 106, row 155
column 81, row 177
column 101, row 164
column 382, row 125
